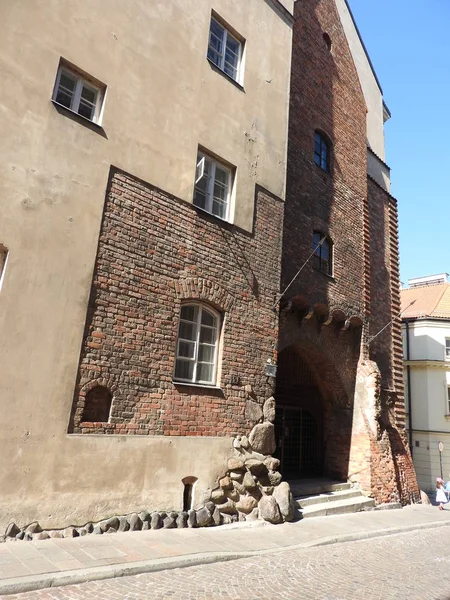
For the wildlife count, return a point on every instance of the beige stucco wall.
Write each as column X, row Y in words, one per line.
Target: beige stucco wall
column 163, row 100
column 429, row 382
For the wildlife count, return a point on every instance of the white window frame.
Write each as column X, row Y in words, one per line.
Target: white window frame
column 194, row 381
column 447, row 349
column 80, row 82
column 202, row 158
column 226, row 35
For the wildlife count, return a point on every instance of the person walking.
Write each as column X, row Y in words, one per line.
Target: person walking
column 441, row 498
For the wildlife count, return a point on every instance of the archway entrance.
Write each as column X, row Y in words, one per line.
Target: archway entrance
column 299, row 422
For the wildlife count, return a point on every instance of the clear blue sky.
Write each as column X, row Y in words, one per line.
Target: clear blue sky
column 409, row 44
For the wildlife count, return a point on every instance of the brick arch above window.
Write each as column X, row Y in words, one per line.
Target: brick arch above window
column 202, row 289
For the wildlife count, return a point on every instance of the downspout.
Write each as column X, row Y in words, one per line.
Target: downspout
column 408, row 385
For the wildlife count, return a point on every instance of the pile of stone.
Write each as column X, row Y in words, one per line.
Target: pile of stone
column 250, row 489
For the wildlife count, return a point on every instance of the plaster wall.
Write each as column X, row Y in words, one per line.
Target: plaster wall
column 427, row 340
column 427, row 461
column 163, row 100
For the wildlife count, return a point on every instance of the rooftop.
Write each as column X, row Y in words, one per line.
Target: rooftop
column 420, row 302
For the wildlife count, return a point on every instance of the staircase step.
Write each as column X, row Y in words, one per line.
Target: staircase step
column 337, row 507
column 310, row 487
column 304, row 501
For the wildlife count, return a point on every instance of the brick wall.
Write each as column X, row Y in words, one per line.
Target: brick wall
column 155, row 252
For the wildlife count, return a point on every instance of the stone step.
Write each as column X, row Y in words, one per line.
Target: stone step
column 311, row 487
column 337, row 507
column 305, row 501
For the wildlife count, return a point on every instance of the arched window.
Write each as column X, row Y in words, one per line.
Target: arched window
column 97, row 405
column 321, row 151
column 323, row 248
column 198, row 335
column 327, row 40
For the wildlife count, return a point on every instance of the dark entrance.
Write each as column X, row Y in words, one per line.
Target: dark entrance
column 299, row 418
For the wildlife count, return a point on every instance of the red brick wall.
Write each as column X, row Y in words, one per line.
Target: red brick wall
column 154, row 252
column 326, row 96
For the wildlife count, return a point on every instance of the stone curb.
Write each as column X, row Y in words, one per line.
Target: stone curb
column 48, row 580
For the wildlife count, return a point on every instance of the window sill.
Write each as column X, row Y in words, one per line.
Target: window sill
column 208, row 386
column 222, row 72
column 215, row 217
column 325, row 274
column 77, row 117
column 322, row 170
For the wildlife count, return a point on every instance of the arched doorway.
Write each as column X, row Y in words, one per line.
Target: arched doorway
column 299, row 423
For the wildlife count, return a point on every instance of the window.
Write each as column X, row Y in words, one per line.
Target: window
column 224, row 50
column 322, row 253
column 77, row 94
column 327, row 40
column 212, row 186
column 447, row 349
column 321, row 151
column 97, row 405
column 3, row 258
column 198, row 334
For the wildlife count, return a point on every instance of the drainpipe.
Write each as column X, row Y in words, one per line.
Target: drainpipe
column 408, row 384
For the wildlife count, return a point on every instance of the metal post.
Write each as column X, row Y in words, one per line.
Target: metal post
column 441, row 449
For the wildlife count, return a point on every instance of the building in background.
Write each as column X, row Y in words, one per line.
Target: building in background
column 426, row 355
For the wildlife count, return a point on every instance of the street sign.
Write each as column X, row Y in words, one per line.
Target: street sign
column 441, row 447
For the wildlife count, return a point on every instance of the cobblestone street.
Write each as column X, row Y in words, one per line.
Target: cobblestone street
column 411, row 565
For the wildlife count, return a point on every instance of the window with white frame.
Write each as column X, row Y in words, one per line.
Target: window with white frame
column 198, row 336
column 447, row 349
column 213, row 183
column 79, row 95
column 225, row 50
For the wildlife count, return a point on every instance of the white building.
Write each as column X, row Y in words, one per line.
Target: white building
column 426, row 346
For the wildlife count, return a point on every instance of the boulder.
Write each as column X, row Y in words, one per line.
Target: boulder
column 424, row 498
column 42, row 535
column 82, row 531
column 97, row 530
column 246, row 504
column 228, row 508
column 218, row 496
column 245, row 443
column 262, row 438
column 239, row 487
column 12, row 530
column 233, row 495
column 269, row 409
column 123, row 524
column 144, row 516
column 89, row 527
column 210, row 507
column 111, row 530
column 182, row 520
column 275, row 478
column 248, row 482
column 145, row 525
column 135, row 522
column 216, row 517
column 256, row 467
column 33, row 528
column 283, row 496
column 269, row 510
column 112, row 522
column 192, row 518
column 69, row 532
column 169, row 522
column 237, row 443
column 234, row 464
column 225, row 483
column 226, row 519
column 271, row 463
column 268, row 490
column 236, row 475
column 203, row 517
column 20, row 535
column 156, row 521
column 253, row 412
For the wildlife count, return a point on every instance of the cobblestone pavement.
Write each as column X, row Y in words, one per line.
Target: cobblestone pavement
column 407, row 566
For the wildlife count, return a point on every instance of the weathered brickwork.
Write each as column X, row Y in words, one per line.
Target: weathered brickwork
column 154, row 253
column 328, row 321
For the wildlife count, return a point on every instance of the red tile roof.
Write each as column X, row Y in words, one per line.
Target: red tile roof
column 426, row 301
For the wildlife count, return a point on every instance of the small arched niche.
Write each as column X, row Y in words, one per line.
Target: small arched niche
column 188, row 492
column 97, row 405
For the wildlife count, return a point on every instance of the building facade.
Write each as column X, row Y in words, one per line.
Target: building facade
column 154, row 198
column 426, row 355
column 340, row 406
column 143, row 170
